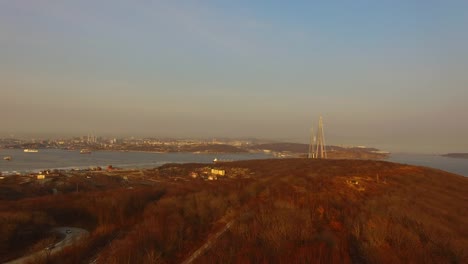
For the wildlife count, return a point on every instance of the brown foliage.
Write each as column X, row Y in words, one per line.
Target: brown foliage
column 297, row 211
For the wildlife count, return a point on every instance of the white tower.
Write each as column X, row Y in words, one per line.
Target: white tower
column 321, row 150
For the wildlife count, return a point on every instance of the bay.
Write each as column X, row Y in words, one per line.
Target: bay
column 63, row 159
column 454, row 165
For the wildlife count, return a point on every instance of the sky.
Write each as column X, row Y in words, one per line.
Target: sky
column 387, row 74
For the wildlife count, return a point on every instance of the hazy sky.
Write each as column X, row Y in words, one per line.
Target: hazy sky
column 390, row 74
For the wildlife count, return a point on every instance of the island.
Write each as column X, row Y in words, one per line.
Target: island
column 456, row 155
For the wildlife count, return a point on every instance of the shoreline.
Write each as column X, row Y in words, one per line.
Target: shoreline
column 144, row 151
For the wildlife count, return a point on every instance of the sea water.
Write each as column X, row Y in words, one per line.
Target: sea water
column 63, row 159
column 454, row 165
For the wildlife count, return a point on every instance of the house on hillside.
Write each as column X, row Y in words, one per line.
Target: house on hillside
column 218, row 172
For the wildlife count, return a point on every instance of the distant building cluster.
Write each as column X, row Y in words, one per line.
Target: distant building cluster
column 93, row 142
column 207, row 173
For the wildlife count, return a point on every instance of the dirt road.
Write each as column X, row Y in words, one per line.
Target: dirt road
column 208, row 243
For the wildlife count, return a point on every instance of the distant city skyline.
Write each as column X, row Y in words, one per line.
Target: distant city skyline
column 385, row 74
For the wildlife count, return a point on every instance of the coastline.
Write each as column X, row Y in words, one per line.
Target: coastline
column 64, row 160
column 456, row 155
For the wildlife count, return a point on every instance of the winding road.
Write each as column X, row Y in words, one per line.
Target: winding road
column 71, row 236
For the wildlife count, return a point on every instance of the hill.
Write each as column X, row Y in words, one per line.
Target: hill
column 262, row 211
column 457, row 155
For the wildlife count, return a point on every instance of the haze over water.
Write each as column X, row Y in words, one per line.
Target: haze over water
column 386, row 74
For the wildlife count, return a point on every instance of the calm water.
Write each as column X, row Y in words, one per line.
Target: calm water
column 61, row 159
column 454, row 165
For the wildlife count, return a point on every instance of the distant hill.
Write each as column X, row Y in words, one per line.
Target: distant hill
column 304, row 148
column 261, row 211
column 292, row 147
column 215, row 148
column 457, row 155
column 333, row 152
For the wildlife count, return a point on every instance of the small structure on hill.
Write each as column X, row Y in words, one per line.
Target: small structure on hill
column 218, row 172
column 354, row 182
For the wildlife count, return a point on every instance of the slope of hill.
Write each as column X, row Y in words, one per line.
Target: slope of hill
column 263, row 211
